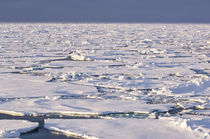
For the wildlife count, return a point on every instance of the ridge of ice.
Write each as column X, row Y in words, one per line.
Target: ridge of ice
column 78, row 57
column 195, row 85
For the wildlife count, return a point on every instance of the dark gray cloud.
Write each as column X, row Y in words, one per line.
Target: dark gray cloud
column 196, row 11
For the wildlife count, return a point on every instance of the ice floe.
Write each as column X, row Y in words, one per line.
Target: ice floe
column 122, row 128
column 13, row 128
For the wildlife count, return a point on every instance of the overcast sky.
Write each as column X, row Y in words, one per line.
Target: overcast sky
column 184, row 11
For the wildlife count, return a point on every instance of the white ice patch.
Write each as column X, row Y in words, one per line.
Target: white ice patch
column 162, row 91
column 13, row 128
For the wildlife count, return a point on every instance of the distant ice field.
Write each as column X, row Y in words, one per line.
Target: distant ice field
column 133, row 75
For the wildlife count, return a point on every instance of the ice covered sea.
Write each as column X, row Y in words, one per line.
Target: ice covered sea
column 106, row 80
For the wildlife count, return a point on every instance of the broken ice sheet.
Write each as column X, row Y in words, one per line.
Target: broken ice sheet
column 106, row 68
column 13, row 128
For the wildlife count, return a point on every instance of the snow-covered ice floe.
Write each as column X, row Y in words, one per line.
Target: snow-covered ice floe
column 107, row 71
column 124, row 128
column 13, row 128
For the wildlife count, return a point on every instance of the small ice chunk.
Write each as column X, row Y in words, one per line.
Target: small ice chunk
column 78, row 57
column 72, row 76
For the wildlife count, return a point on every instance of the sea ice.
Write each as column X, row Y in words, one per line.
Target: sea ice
column 13, row 128
column 139, row 72
column 122, row 128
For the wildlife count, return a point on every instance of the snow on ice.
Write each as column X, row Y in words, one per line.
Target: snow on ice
column 13, row 128
column 124, row 128
column 134, row 75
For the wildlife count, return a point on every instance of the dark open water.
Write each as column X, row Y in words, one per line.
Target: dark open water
column 42, row 133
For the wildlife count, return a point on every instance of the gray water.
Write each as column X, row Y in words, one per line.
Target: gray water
column 42, row 133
